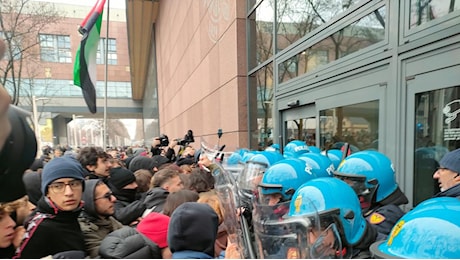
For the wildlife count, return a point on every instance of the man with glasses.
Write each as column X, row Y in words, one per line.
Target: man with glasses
column 96, row 219
column 448, row 175
column 53, row 227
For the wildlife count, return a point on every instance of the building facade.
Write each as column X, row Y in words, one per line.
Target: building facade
column 44, row 39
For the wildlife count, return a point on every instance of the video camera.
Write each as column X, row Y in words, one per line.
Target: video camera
column 188, row 138
column 164, row 140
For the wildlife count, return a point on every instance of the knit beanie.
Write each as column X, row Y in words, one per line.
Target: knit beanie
column 155, row 227
column 141, row 162
column 120, row 177
column 193, row 226
column 61, row 167
column 451, row 161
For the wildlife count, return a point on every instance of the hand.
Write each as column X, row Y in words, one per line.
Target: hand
column 18, row 234
column 156, row 142
column 172, row 144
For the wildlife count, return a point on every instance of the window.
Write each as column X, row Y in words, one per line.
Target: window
column 355, row 124
column 422, row 11
column 15, row 42
column 112, row 51
column 55, row 48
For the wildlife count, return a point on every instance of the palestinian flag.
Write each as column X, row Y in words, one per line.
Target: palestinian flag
column 84, row 73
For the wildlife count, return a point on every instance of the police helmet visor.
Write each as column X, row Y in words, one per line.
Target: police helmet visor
column 251, row 175
column 357, row 182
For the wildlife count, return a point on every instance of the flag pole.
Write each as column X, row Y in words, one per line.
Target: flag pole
column 104, row 141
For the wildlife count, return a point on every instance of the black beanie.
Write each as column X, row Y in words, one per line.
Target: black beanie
column 193, row 226
column 120, row 177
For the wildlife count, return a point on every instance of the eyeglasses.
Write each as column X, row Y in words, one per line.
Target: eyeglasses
column 108, row 196
column 58, row 187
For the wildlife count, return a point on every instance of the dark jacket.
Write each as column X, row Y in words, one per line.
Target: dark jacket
column 155, row 199
column 127, row 208
column 50, row 231
column 128, row 243
column 384, row 218
column 453, row 191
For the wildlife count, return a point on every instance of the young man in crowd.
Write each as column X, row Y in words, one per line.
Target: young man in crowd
column 96, row 219
column 95, row 161
column 56, row 215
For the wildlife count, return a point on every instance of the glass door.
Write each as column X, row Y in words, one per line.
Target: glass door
column 434, row 126
column 299, row 124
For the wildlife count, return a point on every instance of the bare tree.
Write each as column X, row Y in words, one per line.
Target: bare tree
column 21, row 22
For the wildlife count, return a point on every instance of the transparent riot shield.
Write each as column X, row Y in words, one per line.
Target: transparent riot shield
column 249, row 180
column 282, row 237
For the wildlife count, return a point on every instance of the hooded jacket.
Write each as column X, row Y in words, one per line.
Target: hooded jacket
column 94, row 227
column 127, row 242
column 155, row 199
column 46, row 230
column 192, row 229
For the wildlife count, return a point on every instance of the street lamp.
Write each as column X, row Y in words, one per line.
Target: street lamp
column 36, row 126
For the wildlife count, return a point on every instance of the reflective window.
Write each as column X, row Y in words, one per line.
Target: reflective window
column 296, row 18
column 55, row 48
column 112, row 51
column 14, row 41
column 65, row 88
column 301, row 129
column 260, row 36
column 437, row 131
column 356, row 36
column 261, row 95
column 422, row 11
column 356, row 124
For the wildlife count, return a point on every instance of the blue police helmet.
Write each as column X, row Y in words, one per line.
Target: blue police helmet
column 285, row 177
column 331, row 195
column 320, row 164
column 314, row 149
column 295, row 148
column 335, row 155
column 377, row 172
column 430, row 230
column 273, row 147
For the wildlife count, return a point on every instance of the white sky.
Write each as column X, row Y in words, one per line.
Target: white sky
column 113, row 3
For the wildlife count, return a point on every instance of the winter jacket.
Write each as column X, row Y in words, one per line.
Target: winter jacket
column 127, row 208
column 94, row 228
column 453, row 191
column 155, row 199
column 46, row 229
column 127, row 242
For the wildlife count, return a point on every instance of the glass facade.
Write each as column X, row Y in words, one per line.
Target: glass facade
column 354, row 37
column 297, row 18
column 65, row 88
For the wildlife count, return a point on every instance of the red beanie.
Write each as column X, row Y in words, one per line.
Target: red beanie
column 155, row 227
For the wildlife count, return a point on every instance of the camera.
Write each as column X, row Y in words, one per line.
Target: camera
column 188, row 138
column 164, row 140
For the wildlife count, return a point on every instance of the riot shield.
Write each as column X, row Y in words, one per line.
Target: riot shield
column 282, row 237
column 227, row 191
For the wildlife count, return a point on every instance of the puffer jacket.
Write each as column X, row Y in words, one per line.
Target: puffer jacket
column 127, row 242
